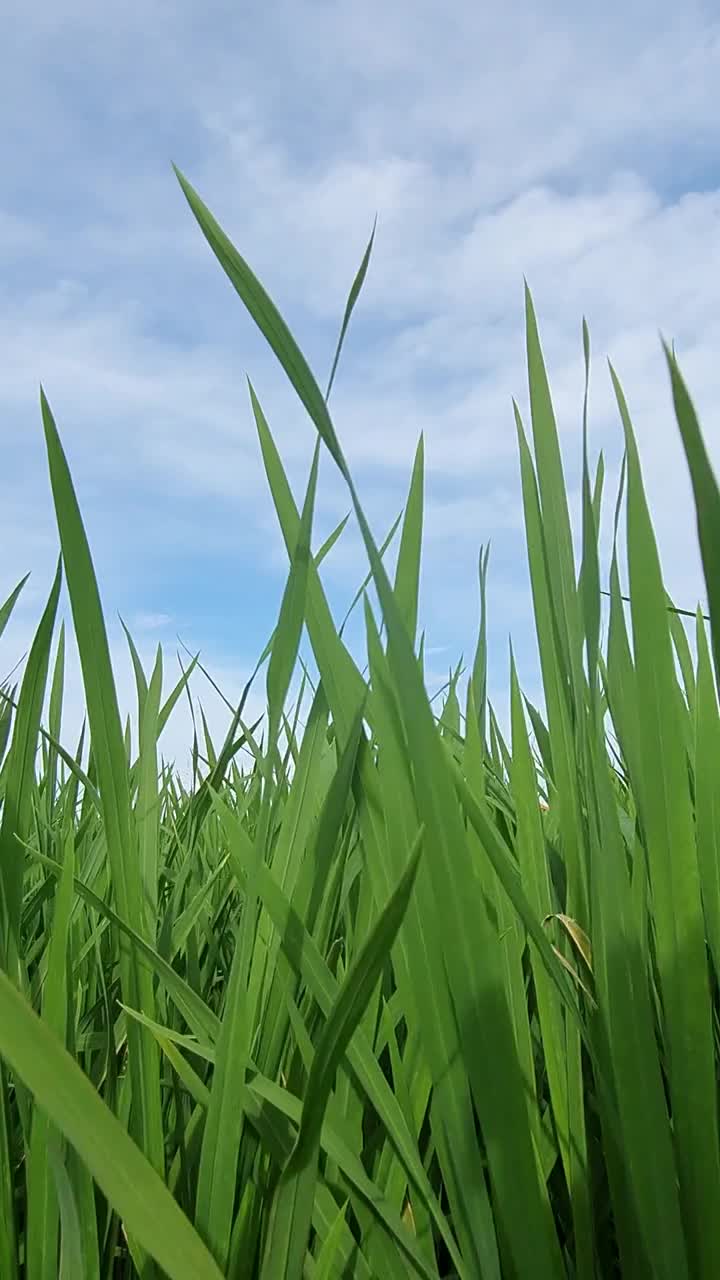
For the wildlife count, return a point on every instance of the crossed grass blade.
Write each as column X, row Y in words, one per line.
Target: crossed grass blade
column 669, row 835
column 127, row 1179
column 291, row 1214
column 292, row 858
column 707, row 496
column 513, row 1162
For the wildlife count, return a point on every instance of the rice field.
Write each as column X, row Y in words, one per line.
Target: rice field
column 400, row 998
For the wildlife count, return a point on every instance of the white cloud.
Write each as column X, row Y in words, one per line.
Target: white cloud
column 150, row 622
column 577, row 147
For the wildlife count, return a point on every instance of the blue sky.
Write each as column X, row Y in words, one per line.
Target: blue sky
column 575, row 146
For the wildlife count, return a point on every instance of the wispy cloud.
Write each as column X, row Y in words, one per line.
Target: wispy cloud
column 575, row 147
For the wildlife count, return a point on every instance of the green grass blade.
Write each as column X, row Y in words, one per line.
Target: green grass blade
column 666, row 816
column 71, row 1262
column 348, row 1009
column 479, row 669
column 111, row 762
column 292, row 614
column 344, row 685
column 140, row 679
column 556, row 517
column 438, row 804
column 265, row 314
column 353, row 296
column 121, row 1171
column 368, row 576
column 8, row 605
column 707, row 799
column 148, row 800
column 43, row 1210
column 20, row 780
column 407, row 571
column 292, row 1209
column 707, row 496
column 55, row 722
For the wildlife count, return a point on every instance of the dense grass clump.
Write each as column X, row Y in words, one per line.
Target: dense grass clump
column 403, row 998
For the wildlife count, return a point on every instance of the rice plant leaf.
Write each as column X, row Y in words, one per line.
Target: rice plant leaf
column 368, row 576
column 326, row 1263
column 71, row 1262
column 641, row 1161
column 140, row 678
column 20, row 779
column 9, row 1261
column 217, row 1173
column 265, row 314
column 291, row 1214
column 535, row 879
column 129, row 1182
column 111, row 762
column 707, row 496
column 394, row 1231
column 555, row 513
column 589, row 587
column 435, row 792
column 407, row 571
column 343, row 682
column 292, row 613
column 55, row 720
column 348, row 1009
column 330, row 541
column 707, row 800
column 42, row 1202
column 148, row 800
column 306, row 959
column 72, row 762
column 556, row 674
column 666, row 816
column 8, row 605
column 174, row 697
column 479, row 669
column 353, row 296
column 199, row 1016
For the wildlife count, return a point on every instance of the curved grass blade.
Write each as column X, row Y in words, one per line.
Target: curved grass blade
column 344, row 685
column 291, row 1213
column 438, row 809
column 42, row 1204
column 707, row 497
column 667, row 822
column 353, row 296
column 140, row 679
column 8, row 605
column 112, row 771
column 148, row 800
column 306, row 959
column 54, row 724
column 407, row 571
column 71, row 1262
column 193, row 1008
column 129, row 1182
column 349, row 1008
column 292, row 614
column 478, row 680
column 368, row 576
column 265, row 314
column 20, row 781
column 707, row 798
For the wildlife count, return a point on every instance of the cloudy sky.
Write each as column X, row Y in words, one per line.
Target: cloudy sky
column 576, row 146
